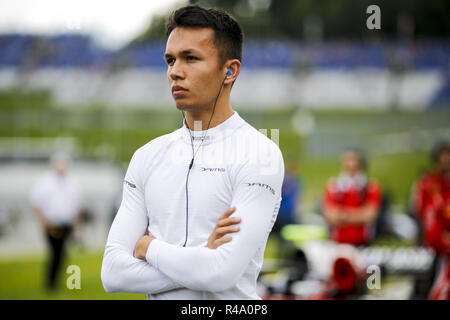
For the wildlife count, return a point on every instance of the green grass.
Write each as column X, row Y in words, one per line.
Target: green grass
column 22, row 277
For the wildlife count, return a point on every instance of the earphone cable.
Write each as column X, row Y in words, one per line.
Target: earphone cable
column 193, row 156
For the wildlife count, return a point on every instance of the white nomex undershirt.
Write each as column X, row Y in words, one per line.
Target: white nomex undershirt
column 236, row 165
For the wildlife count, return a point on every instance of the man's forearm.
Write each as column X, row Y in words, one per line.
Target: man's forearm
column 76, row 222
column 332, row 215
column 363, row 215
column 196, row 268
column 199, row 278
column 121, row 272
column 213, row 270
column 341, row 217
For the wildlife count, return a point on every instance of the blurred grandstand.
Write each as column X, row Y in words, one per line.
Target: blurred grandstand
column 79, row 51
column 328, row 74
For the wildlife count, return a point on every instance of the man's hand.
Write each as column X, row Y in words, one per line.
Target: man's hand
column 333, row 216
column 45, row 224
column 76, row 227
column 224, row 226
column 446, row 238
column 141, row 247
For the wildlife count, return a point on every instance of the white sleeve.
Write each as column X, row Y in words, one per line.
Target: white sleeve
column 121, row 271
column 257, row 197
column 36, row 194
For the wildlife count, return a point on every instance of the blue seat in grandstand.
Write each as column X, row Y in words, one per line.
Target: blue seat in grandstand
column 75, row 50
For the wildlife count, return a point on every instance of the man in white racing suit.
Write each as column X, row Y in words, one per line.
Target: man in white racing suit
column 187, row 192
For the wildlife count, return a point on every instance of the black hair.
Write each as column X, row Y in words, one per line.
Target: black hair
column 228, row 35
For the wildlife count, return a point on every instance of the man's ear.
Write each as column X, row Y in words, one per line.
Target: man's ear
column 233, row 67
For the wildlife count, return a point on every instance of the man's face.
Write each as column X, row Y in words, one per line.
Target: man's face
column 60, row 166
column 194, row 72
column 351, row 162
column 444, row 160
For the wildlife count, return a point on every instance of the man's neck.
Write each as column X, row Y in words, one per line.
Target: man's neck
column 221, row 113
column 352, row 173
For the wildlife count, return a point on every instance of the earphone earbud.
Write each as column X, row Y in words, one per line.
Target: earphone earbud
column 229, row 72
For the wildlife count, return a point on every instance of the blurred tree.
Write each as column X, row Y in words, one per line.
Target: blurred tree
column 343, row 19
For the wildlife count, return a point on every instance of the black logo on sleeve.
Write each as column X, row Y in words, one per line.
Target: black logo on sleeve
column 212, row 169
column 258, row 184
column 130, row 184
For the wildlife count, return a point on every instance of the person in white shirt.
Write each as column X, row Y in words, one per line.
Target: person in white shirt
column 198, row 203
column 55, row 200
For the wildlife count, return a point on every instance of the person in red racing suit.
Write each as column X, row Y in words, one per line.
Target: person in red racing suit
column 433, row 210
column 351, row 202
